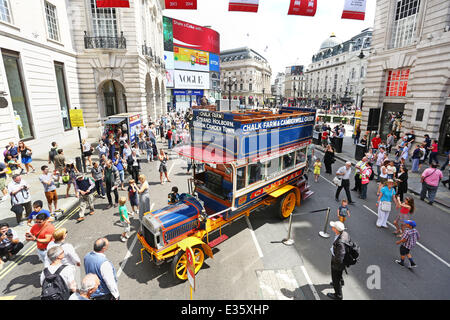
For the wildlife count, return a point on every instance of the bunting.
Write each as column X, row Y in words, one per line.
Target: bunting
column 244, row 5
column 303, row 7
column 354, row 9
column 181, row 4
column 113, row 3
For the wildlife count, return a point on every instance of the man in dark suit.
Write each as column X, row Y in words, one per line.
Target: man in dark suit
column 134, row 165
column 337, row 258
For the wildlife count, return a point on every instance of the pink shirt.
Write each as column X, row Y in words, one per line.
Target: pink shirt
column 434, row 176
column 435, row 147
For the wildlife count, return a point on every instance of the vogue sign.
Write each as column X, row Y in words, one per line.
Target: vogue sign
column 191, row 80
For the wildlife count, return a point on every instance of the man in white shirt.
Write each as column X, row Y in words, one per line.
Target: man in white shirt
column 56, row 255
column 344, row 173
column 381, row 155
column 89, row 285
column 18, row 189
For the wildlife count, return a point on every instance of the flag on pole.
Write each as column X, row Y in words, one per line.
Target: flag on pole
column 303, row 7
column 354, row 9
column 244, row 5
column 113, row 3
column 181, row 4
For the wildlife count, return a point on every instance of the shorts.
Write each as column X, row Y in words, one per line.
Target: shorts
column 404, row 251
column 342, row 219
column 26, row 160
column 162, row 168
column 134, row 201
column 126, row 227
column 122, row 175
column 2, row 183
column 87, row 153
column 51, row 196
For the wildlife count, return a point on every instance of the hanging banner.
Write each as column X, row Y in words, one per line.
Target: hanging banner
column 244, row 5
column 303, row 8
column 354, row 9
column 113, row 3
column 181, row 4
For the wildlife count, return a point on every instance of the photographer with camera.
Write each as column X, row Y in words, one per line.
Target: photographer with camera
column 173, row 197
column 18, row 189
column 9, row 243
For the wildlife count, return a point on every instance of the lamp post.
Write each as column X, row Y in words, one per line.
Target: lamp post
column 295, row 101
column 230, row 82
column 264, row 101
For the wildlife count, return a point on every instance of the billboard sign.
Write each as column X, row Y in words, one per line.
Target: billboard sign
column 168, row 60
column 168, row 34
column 214, row 62
column 191, row 80
column 169, row 78
column 188, row 59
column 192, row 36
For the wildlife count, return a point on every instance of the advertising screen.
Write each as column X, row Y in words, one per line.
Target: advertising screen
column 191, row 80
column 188, row 59
column 168, row 60
column 214, row 62
column 168, row 34
column 169, row 78
column 192, row 36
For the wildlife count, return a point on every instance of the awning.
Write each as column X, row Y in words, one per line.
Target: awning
column 204, row 154
column 114, row 120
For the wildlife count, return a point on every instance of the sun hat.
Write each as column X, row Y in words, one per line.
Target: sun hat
column 338, row 225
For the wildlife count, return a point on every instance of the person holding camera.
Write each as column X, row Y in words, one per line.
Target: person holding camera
column 10, row 244
column 173, row 197
column 18, row 189
column 41, row 232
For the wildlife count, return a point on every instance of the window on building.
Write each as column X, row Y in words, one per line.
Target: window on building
column 335, row 82
column 363, row 72
column 104, row 21
column 250, row 87
column 397, row 83
column 405, row 23
column 242, row 86
column 17, row 94
column 419, row 114
column 52, row 21
column 5, row 13
column 62, row 92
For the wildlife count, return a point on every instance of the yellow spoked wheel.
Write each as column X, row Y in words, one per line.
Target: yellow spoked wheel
column 287, row 205
column 179, row 264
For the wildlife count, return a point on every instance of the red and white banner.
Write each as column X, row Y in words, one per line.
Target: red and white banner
column 113, row 3
column 244, row 5
column 181, row 4
column 354, row 9
column 303, row 7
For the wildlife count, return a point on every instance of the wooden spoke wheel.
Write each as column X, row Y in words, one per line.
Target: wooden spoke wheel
column 287, row 205
column 179, row 263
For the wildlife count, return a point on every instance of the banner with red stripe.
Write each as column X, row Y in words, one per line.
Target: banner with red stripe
column 244, row 5
column 113, row 3
column 303, row 7
column 181, row 4
column 354, row 9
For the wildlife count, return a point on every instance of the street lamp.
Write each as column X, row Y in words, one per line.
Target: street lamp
column 230, row 82
column 264, row 101
column 295, row 102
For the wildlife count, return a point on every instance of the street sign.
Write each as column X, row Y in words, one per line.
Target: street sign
column 76, row 118
column 190, row 268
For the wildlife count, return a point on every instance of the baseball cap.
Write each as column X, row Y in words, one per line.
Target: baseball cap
column 411, row 223
column 338, row 225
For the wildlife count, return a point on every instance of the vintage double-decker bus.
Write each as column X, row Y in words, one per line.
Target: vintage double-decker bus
column 250, row 159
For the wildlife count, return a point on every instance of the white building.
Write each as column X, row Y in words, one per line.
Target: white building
column 337, row 72
column 408, row 74
column 38, row 73
column 294, row 84
column 278, row 88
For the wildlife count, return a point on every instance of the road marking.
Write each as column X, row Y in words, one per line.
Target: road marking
column 128, row 255
column 8, row 298
column 328, row 181
column 418, row 243
column 311, row 286
column 258, row 248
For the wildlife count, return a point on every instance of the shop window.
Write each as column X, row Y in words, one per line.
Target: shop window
column 62, row 92
column 397, row 83
column 240, row 178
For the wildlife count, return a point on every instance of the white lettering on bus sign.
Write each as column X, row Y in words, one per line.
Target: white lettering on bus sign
column 276, row 123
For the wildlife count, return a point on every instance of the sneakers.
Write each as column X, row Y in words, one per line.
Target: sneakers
column 123, row 239
column 334, row 296
column 400, row 262
column 413, row 265
column 80, row 219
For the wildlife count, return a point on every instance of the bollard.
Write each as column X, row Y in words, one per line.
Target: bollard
column 289, row 241
column 324, row 233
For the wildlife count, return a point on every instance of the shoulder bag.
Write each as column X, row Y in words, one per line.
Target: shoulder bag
column 337, row 181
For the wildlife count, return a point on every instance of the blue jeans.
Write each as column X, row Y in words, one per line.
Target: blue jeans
column 364, row 191
column 122, row 175
column 415, row 165
column 433, row 157
column 170, row 144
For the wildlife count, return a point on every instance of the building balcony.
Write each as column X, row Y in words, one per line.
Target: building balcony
column 117, row 42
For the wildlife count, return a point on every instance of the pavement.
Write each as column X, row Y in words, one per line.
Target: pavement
column 414, row 184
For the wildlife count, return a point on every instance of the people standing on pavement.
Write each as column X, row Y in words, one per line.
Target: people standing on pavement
column 427, row 145
column 133, row 196
column 317, row 166
column 374, row 144
column 363, row 141
column 119, row 164
column 48, row 181
column 407, row 243
column 87, row 152
column 402, row 182
column 55, row 255
column 71, row 171
column 52, row 153
column 391, row 170
column 25, row 156
column 112, row 181
column 365, row 179
column 12, row 150
column 97, row 175
column 85, row 186
column 343, row 211
column 124, row 219
column 133, row 162
column 380, row 156
column 434, row 152
column 42, row 233
column 148, row 146
column 71, row 257
column 3, row 176
column 430, row 182
column 10, row 244
column 96, row 262
column 357, row 134
column 384, row 203
column 102, row 149
column 337, row 258
column 344, row 173
column 169, row 135
column 417, row 154
column 390, row 142
column 60, row 161
column 89, row 285
column 144, row 197
column 328, row 159
column 406, row 210
column 111, row 147
column 359, row 168
column 383, row 176
column 37, row 209
column 19, row 191
column 163, row 158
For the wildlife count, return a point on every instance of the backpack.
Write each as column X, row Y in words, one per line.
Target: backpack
column 52, row 153
column 351, row 253
column 53, row 286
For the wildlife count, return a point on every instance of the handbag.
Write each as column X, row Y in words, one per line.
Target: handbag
column 337, row 181
column 385, row 206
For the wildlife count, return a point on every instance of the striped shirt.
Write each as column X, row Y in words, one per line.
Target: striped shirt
column 411, row 236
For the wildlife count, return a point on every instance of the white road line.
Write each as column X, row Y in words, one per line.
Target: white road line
column 311, row 286
column 328, row 181
column 418, row 243
column 258, row 248
column 124, row 261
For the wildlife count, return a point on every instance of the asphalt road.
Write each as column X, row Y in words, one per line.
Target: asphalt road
column 253, row 264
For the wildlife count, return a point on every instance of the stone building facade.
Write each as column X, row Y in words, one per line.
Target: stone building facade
column 408, row 74
column 294, row 85
column 252, row 73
